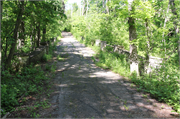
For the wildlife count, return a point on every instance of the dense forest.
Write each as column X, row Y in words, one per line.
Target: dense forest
column 145, row 28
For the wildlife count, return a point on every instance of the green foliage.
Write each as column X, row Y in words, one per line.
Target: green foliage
column 60, row 58
column 67, row 26
column 27, row 47
column 101, row 26
column 40, row 20
column 162, row 84
column 50, row 54
column 115, row 62
column 13, row 86
column 75, row 7
column 46, row 57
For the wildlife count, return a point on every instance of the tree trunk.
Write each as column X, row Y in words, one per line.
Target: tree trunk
column 44, row 33
column 164, row 28
column 13, row 45
column 148, row 46
column 107, row 8
column 38, row 34
column 34, row 39
column 97, row 2
column 71, row 10
column 84, row 7
column 23, row 33
column 103, row 3
column 179, row 51
column 87, row 7
column 102, row 6
column 173, row 9
column 43, row 42
column 63, row 6
column 132, row 35
column 1, row 5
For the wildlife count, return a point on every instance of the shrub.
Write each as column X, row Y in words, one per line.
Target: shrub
column 13, row 86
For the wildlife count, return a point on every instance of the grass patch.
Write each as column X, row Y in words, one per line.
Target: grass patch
column 59, row 58
column 63, row 57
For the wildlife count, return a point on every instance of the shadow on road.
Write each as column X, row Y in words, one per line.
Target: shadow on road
column 83, row 90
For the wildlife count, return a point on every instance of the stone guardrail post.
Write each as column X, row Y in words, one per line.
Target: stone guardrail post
column 82, row 38
column 98, row 41
column 154, row 62
column 103, row 45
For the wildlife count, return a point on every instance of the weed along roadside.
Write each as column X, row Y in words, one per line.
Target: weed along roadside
column 26, row 93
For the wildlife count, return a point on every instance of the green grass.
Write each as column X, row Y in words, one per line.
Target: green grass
column 59, row 58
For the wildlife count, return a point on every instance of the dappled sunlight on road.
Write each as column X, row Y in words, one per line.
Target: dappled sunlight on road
column 86, row 90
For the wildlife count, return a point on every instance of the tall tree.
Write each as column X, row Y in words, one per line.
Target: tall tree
column 132, row 36
column 176, row 25
column 107, row 8
column 84, row 7
column 87, row 7
column 1, row 5
column 15, row 31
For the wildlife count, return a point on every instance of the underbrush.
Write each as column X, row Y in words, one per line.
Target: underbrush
column 162, row 84
column 15, row 86
column 30, row 80
column 48, row 56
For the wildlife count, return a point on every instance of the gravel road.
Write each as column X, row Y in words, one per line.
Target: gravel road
column 83, row 90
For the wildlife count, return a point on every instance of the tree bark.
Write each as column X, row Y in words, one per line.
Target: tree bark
column 103, row 2
column 63, row 6
column 38, row 34
column 43, row 41
column 23, row 32
column 44, row 33
column 132, row 35
column 176, row 28
column 1, row 5
column 34, row 39
column 107, row 8
column 179, row 51
column 13, row 45
column 84, row 7
column 87, row 7
column 148, row 46
column 164, row 28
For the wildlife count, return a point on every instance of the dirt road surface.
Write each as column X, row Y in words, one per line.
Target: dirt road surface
column 83, row 90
